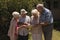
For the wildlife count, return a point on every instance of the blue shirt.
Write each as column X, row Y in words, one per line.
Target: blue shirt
column 24, row 31
column 46, row 16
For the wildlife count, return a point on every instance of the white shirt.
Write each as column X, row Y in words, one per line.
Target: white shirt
column 24, row 31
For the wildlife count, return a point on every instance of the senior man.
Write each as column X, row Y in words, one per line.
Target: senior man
column 46, row 20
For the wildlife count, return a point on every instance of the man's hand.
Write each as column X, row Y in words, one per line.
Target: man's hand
column 25, row 23
column 23, row 26
column 44, row 23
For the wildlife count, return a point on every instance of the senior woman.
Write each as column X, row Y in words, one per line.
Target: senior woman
column 13, row 26
column 36, row 28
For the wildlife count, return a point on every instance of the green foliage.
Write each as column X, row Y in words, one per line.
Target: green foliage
column 8, row 6
column 16, row 5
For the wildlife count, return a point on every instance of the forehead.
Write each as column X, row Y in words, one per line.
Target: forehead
column 39, row 7
column 23, row 13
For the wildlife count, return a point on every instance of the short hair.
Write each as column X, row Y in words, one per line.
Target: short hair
column 15, row 13
column 35, row 11
column 40, row 5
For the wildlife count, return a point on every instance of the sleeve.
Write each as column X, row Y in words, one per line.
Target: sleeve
column 28, row 20
column 48, row 17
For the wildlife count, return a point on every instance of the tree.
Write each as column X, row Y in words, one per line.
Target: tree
column 8, row 6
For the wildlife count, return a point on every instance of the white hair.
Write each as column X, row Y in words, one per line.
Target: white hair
column 40, row 5
column 15, row 13
column 35, row 11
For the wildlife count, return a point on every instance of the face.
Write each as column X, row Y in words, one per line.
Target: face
column 40, row 8
column 23, row 14
column 16, row 17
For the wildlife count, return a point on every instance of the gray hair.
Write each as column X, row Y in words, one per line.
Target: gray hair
column 40, row 5
column 15, row 13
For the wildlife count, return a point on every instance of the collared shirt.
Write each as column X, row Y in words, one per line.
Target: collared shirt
column 46, row 16
column 24, row 31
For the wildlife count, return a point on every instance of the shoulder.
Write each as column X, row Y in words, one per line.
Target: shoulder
column 27, row 16
column 47, row 10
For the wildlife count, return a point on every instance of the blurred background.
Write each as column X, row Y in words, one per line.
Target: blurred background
column 8, row 6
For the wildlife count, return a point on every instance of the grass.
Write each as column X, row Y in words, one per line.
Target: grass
column 56, row 35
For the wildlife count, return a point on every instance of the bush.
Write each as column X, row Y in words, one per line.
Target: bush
column 8, row 6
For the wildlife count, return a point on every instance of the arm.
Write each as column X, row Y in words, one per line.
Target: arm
column 28, row 22
column 47, row 18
